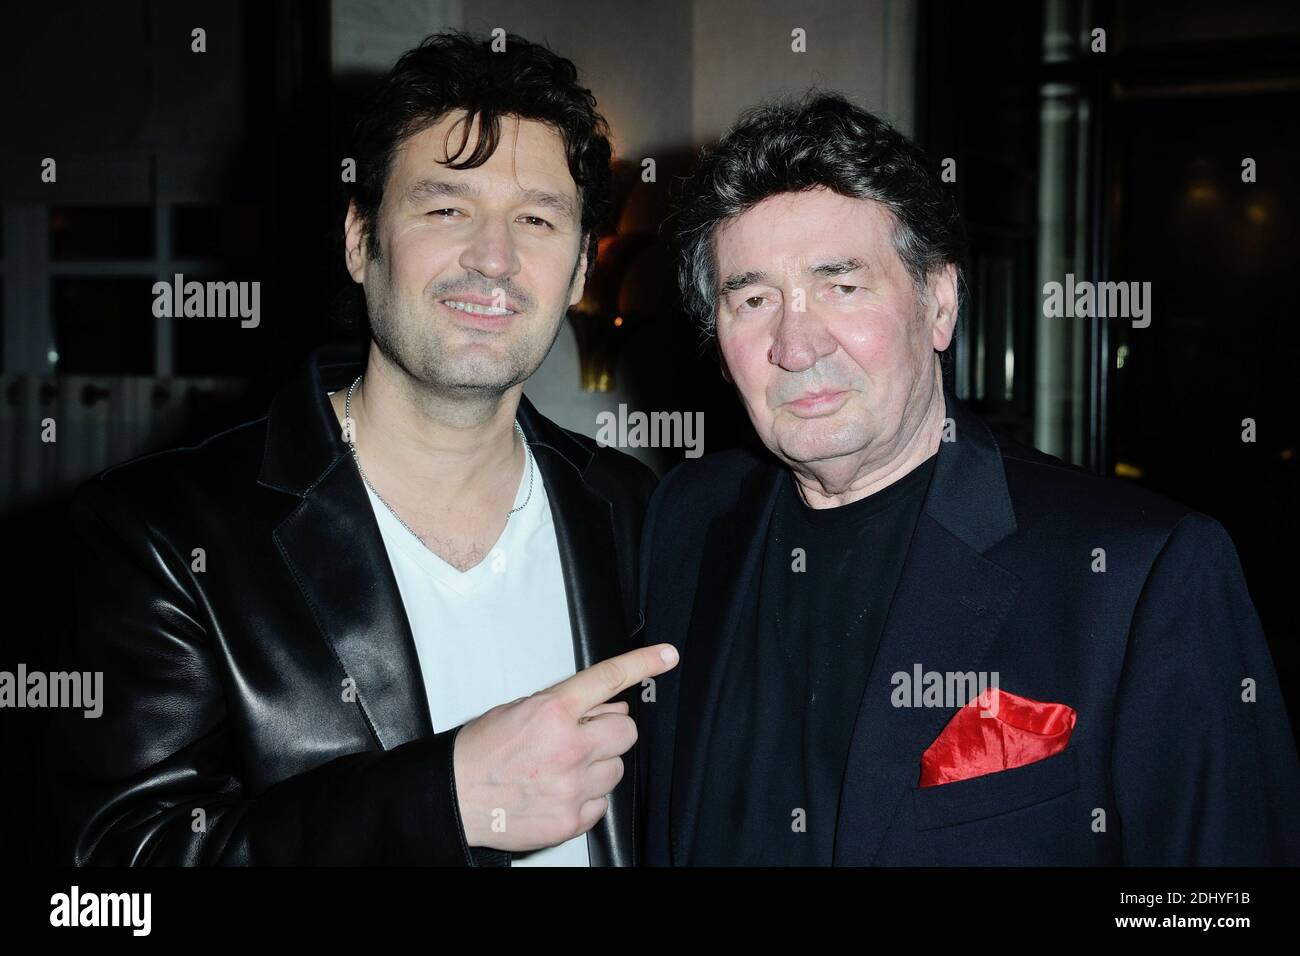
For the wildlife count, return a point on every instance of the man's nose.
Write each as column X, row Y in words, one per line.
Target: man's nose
column 800, row 340
column 491, row 250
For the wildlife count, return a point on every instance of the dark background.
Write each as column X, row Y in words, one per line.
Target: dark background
column 1123, row 165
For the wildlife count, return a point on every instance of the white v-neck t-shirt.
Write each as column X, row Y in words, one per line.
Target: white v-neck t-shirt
column 494, row 633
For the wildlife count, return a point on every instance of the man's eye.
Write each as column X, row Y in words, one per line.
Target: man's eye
column 535, row 221
column 444, row 213
column 753, row 302
column 845, row 289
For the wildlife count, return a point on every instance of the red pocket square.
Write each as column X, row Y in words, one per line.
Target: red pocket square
column 1016, row 731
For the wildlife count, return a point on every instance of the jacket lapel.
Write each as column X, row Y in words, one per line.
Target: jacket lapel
column 725, row 606
column 947, row 609
column 601, row 606
column 334, row 549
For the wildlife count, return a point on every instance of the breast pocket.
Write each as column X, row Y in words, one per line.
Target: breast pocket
column 962, row 801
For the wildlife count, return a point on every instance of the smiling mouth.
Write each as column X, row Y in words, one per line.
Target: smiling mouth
column 474, row 308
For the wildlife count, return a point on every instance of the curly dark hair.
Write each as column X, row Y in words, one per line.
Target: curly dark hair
column 453, row 70
column 817, row 140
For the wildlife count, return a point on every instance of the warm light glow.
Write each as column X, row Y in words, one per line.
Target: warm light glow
column 618, row 320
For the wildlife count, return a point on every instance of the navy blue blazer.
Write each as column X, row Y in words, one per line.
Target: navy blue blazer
column 1182, row 753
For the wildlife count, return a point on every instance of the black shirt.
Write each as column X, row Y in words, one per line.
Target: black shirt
column 791, row 690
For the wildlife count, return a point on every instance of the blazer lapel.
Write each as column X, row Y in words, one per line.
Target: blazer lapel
column 947, row 609
column 602, row 607
column 334, row 549
column 725, row 605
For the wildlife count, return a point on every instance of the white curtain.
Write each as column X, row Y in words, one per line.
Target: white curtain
column 97, row 421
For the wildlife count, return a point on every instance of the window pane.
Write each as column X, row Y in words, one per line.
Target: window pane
column 101, row 232
column 232, row 231
column 103, row 325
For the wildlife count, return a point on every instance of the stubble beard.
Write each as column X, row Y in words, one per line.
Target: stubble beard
column 409, row 338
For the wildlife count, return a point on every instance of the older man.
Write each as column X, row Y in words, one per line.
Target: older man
column 838, row 603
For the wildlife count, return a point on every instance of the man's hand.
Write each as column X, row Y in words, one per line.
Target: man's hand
column 536, row 772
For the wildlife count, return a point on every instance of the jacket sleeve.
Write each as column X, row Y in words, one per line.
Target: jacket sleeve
column 156, row 777
column 1204, row 763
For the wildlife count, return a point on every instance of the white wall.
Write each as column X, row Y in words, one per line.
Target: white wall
column 742, row 55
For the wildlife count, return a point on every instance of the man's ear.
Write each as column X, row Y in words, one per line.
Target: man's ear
column 941, row 312
column 354, row 244
column 580, row 274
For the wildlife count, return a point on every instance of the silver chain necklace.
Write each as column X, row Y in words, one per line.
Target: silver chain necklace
column 347, row 417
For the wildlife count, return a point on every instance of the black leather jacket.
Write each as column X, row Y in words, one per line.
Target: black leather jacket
column 228, row 733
